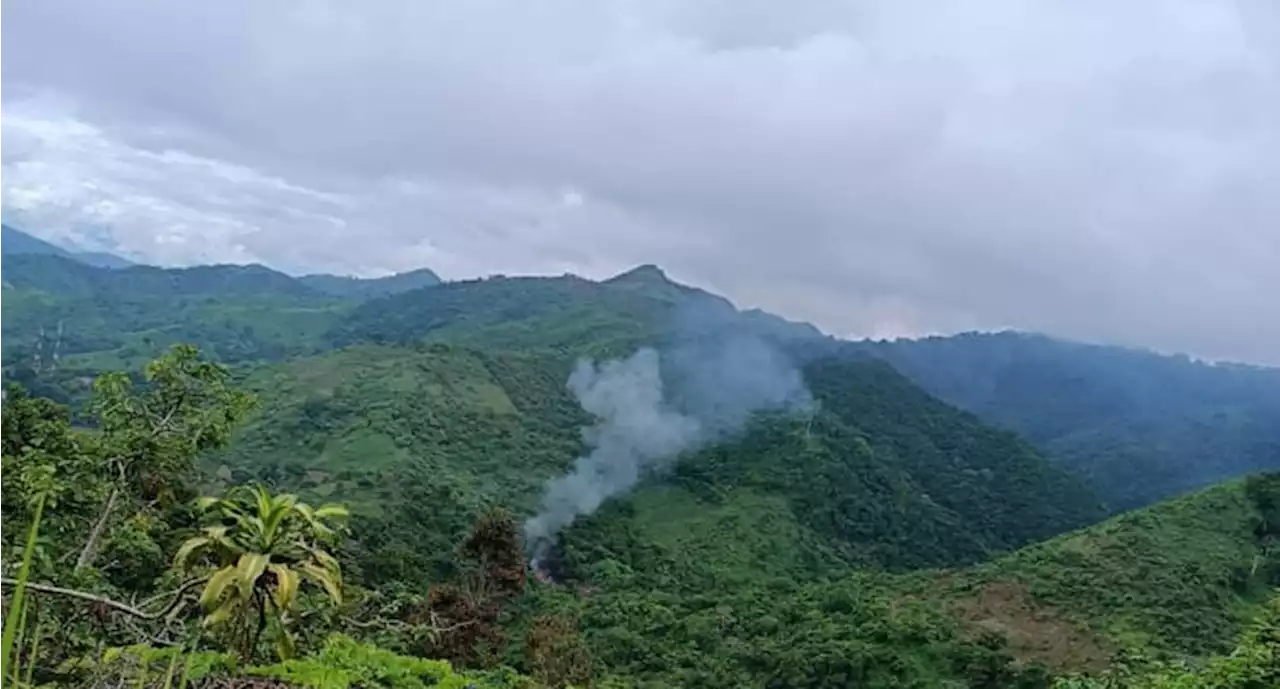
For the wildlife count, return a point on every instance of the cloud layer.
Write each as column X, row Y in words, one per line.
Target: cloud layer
column 1093, row 169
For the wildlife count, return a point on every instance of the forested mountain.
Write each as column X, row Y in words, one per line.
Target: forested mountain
column 863, row 533
column 882, row 475
column 1139, row 425
column 91, row 319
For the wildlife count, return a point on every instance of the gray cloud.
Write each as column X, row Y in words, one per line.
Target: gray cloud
column 1093, row 169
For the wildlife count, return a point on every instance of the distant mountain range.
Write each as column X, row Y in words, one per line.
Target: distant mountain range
column 15, row 242
column 19, row 243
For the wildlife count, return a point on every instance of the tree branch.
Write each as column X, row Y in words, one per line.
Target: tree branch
column 90, row 549
column 113, row 604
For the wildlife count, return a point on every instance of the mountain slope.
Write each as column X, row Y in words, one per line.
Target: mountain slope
column 456, row 428
column 1140, row 426
column 16, row 242
column 1180, row 576
column 556, row 313
column 59, row 312
column 1177, row 580
column 566, row 313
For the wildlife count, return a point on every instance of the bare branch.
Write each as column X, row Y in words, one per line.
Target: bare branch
column 113, row 604
column 90, row 549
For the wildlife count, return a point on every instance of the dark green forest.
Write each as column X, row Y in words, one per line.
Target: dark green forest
column 1140, row 426
column 326, row 489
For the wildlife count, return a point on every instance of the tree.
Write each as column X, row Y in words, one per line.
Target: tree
column 263, row 548
column 44, row 456
column 556, row 654
column 149, row 439
column 464, row 615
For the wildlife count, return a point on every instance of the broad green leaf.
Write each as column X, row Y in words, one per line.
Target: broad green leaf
column 332, row 512
column 326, row 560
column 217, row 586
column 250, row 567
column 286, row 585
column 224, row 612
column 332, row 584
column 187, row 549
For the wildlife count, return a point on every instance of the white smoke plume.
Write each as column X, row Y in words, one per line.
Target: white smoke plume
column 639, row 428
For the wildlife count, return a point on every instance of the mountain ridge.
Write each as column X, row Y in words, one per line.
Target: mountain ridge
column 1139, row 425
column 877, row 535
column 17, row 242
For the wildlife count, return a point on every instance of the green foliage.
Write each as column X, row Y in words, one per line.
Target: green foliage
column 263, row 547
column 416, row 441
column 341, row 663
column 148, row 439
column 345, row 663
column 858, row 631
column 15, row 617
column 419, row 440
column 1178, row 577
column 43, row 458
column 1253, row 664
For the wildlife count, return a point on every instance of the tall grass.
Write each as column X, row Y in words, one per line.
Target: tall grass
column 14, row 620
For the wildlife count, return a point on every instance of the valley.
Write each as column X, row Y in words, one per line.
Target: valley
column 986, row 510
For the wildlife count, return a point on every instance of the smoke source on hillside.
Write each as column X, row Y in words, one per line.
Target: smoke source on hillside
column 641, row 426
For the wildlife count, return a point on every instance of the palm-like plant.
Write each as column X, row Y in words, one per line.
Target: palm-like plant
column 264, row 548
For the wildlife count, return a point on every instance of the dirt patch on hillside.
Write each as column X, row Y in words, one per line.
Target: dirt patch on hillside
column 1035, row 633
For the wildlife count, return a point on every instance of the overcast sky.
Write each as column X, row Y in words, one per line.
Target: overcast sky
column 1090, row 168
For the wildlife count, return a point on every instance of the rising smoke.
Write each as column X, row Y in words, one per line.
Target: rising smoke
column 645, row 419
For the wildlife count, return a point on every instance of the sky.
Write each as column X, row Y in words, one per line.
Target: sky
column 1107, row 171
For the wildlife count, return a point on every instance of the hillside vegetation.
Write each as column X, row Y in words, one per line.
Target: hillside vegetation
column 1138, row 426
column 873, row 535
column 1173, row 581
column 882, row 475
